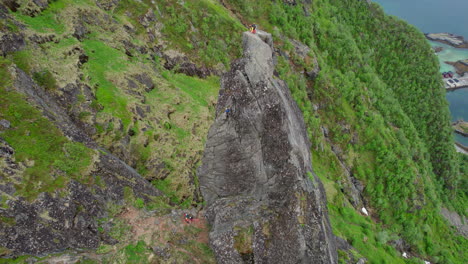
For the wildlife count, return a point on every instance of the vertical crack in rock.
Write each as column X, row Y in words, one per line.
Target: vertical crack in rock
column 261, row 203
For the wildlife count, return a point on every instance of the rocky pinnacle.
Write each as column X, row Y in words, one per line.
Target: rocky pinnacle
column 264, row 203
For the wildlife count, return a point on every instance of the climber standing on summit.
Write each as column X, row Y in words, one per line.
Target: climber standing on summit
column 253, row 28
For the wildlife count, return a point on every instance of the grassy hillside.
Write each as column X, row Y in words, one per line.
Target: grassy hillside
column 376, row 111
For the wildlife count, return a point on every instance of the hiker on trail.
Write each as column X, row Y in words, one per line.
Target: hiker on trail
column 188, row 218
column 253, row 28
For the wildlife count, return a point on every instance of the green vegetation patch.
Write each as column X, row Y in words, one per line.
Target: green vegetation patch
column 138, row 253
column 363, row 235
column 200, row 90
column 217, row 38
column 102, row 61
column 45, row 79
column 243, row 240
column 51, row 159
column 47, row 21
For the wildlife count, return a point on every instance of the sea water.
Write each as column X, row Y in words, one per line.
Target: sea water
column 436, row 16
column 431, row 16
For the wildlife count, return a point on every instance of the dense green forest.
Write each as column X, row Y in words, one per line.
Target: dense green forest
column 375, row 110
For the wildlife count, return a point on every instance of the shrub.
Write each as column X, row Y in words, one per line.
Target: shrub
column 45, row 79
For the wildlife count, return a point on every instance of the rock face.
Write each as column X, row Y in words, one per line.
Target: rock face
column 264, row 203
column 57, row 221
column 459, row 222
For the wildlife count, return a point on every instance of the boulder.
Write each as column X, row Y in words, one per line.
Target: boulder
column 264, row 202
column 4, row 124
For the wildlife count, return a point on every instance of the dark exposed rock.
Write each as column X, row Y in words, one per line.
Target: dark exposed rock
column 41, row 39
column 147, row 18
column 13, row 5
column 11, row 42
column 31, row 8
column 7, row 188
column 52, row 224
column 43, row 4
column 132, row 85
column 130, row 47
column 145, row 80
column 140, row 111
column 107, row 4
column 6, row 151
column 83, row 58
column 24, row 84
column 76, row 99
column 49, row 224
column 80, row 31
column 8, row 166
column 256, row 170
column 3, row 11
column 181, row 64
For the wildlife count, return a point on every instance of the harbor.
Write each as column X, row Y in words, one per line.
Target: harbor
column 455, row 83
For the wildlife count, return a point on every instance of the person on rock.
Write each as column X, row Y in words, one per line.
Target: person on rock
column 188, row 218
column 253, row 28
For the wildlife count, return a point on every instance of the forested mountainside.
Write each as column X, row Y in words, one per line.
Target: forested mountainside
column 105, row 108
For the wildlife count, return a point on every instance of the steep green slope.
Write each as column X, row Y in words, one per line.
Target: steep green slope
column 137, row 108
column 379, row 96
column 376, row 113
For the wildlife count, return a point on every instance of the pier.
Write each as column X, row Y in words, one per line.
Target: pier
column 455, row 83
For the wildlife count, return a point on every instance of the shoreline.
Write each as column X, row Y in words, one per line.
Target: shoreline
column 461, row 66
column 449, row 39
column 461, row 148
column 461, row 127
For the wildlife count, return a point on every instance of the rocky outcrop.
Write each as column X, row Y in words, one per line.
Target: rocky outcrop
column 461, row 127
column 450, row 39
column 461, row 66
column 181, row 64
column 107, row 4
column 68, row 217
column 459, row 222
column 264, row 203
column 9, row 41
